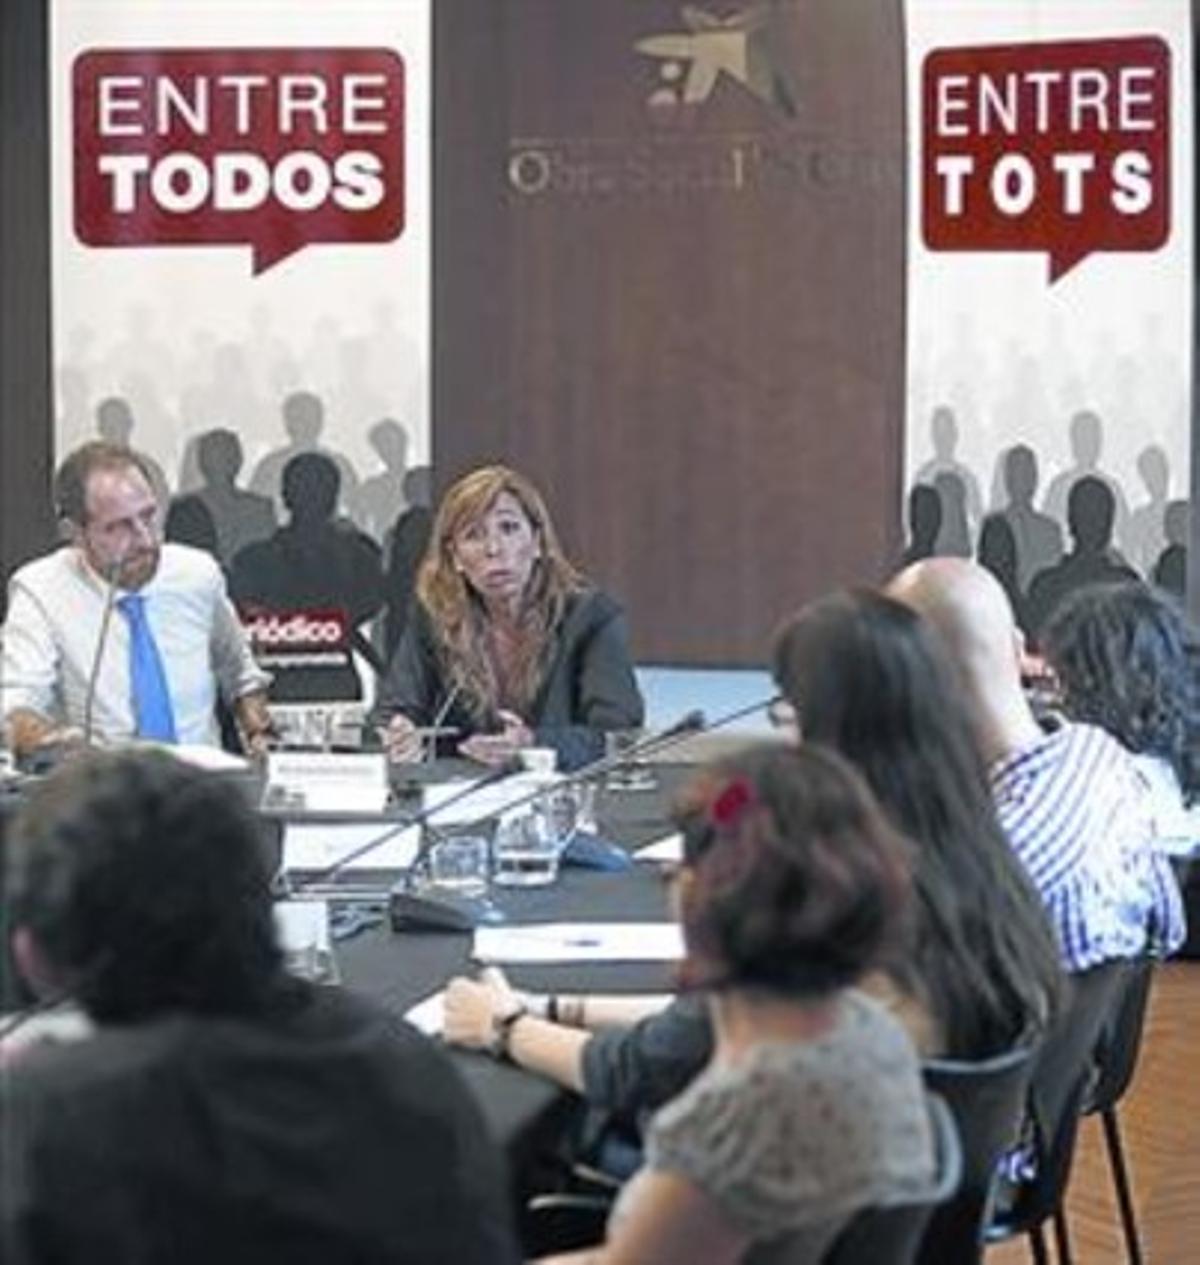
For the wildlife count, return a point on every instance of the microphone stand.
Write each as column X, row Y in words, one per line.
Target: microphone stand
column 111, row 577
column 319, row 883
column 689, row 726
column 452, row 912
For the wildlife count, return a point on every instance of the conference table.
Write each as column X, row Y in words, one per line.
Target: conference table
column 526, row 1114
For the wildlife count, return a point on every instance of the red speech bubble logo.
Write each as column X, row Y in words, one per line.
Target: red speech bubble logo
column 274, row 148
column 1059, row 147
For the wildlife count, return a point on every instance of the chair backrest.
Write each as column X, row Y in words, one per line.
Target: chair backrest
column 1121, row 1039
column 987, row 1099
column 891, row 1234
column 1062, row 1075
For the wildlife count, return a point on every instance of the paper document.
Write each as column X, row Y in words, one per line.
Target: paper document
column 426, row 1015
column 668, row 849
column 201, row 756
column 313, row 845
column 488, row 801
column 1179, row 833
column 580, row 942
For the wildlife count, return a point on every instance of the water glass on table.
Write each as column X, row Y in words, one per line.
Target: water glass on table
column 631, row 774
column 459, row 863
column 558, row 807
column 585, row 808
column 525, row 850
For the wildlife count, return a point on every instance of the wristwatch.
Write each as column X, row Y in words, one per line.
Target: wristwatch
column 502, row 1026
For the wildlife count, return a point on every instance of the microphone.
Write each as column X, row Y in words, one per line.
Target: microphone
column 443, row 911
column 451, row 912
column 323, row 877
column 688, row 726
column 111, row 577
column 442, row 712
column 428, row 734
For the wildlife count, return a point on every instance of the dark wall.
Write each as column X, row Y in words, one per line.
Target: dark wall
column 26, row 525
column 686, row 322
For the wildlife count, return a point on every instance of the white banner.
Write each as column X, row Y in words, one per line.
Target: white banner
column 1050, row 277
column 241, row 237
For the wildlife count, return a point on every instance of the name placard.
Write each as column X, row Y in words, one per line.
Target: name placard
column 326, row 782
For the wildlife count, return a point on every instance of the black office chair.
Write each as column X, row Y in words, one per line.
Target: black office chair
column 1187, row 871
column 1116, row 1060
column 987, row 1099
column 891, row 1235
column 563, row 1222
column 1064, row 1070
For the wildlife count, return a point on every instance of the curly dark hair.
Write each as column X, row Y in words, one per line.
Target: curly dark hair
column 146, row 886
column 796, row 881
column 870, row 679
column 1128, row 661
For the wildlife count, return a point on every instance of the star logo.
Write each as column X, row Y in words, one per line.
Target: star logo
column 738, row 46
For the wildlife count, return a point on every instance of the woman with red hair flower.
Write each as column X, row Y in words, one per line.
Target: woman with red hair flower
column 793, row 887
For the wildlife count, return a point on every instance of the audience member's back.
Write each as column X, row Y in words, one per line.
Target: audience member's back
column 319, row 1132
column 1069, row 801
column 1127, row 660
column 222, row 1111
column 867, row 678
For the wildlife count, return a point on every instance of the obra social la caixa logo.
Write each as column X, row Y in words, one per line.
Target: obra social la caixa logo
column 271, row 148
column 710, row 47
column 1062, row 148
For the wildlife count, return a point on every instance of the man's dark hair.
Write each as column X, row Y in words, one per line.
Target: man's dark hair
column 71, row 478
column 145, row 885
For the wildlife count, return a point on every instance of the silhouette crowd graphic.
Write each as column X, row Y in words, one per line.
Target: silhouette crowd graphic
column 1082, row 531
column 235, row 427
column 205, row 404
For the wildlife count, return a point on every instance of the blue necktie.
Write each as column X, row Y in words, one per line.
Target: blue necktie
column 152, row 711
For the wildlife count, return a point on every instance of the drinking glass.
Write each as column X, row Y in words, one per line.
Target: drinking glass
column 525, row 851
column 302, row 927
column 558, row 811
column 585, row 808
column 459, row 863
column 630, row 774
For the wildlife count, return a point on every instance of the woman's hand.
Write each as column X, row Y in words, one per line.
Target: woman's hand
column 401, row 740
column 471, row 1008
column 498, row 748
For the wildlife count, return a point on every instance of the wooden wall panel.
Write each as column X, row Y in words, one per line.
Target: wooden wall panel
column 686, row 321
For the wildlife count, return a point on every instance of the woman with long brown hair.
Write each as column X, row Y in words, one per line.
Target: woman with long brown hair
column 508, row 643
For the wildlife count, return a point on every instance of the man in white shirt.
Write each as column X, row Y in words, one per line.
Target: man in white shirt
column 172, row 639
column 1070, row 801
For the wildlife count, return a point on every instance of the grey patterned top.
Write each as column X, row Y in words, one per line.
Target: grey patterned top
column 796, row 1137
